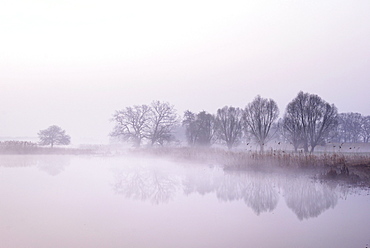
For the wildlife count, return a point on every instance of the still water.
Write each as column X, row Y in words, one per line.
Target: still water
column 87, row 201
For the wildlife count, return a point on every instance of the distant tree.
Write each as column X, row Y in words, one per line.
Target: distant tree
column 154, row 123
column 292, row 126
column 162, row 121
column 365, row 128
column 313, row 117
column 191, row 128
column 229, row 125
column 54, row 135
column 132, row 124
column 349, row 127
column 206, row 123
column 278, row 131
column 259, row 116
column 200, row 128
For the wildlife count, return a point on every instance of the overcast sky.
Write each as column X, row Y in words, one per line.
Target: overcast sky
column 73, row 63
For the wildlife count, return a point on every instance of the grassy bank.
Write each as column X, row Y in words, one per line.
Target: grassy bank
column 25, row 147
column 330, row 165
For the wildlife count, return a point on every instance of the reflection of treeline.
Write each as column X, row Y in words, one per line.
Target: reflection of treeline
column 146, row 184
column 18, row 161
column 259, row 190
column 27, row 147
column 51, row 164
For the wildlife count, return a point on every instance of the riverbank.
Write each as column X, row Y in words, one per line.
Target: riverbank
column 353, row 167
column 330, row 166
column 25, row 147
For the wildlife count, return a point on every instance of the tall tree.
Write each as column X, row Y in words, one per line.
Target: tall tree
column 132, row 124
column 54, row 135
column 206, row 125
column 162, row 121
column 191, row 128
column 259, row 115
column 315, row 117
column 292, row 126
column 229, row 125
column 365, row 128
column 200, row 128
column 349, row 127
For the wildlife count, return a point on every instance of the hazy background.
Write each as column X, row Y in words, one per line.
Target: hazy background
column 73, row 63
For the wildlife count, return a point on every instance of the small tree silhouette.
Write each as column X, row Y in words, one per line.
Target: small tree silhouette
column 53, row 135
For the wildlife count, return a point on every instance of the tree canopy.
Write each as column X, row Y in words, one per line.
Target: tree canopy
column 153, row 123
column 259, row 116
column 53, row 135
column 200, row 128
column 311, row 119
column 229, row 125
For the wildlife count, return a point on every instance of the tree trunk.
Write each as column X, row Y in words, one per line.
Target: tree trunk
column 229, row 146
column 312, row 149
column 295, row 148
column 137, row 142
column 305, row 147
column 262, row 148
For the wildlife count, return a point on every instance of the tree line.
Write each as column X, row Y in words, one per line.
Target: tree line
column 308, row 121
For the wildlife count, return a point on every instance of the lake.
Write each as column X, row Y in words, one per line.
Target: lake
column 125, row 201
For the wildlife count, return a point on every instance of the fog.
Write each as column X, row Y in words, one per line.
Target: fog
column 73, row 63
column 98, row 201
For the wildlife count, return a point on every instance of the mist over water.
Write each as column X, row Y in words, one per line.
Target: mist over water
column 194, row 79
column 92, row 201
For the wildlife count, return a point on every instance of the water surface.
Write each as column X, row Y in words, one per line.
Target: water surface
column 87, row 201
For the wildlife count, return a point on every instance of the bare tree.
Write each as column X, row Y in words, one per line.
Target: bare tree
column 54, row 135
column 365, row 128
column 229, row 125
column 207, row 128
column 132, row 124
column 200, row 128
column 163, row 120
column 315, row 117
column 349, row 127
column 191, row 128
column 292, row 127
column 259, row 115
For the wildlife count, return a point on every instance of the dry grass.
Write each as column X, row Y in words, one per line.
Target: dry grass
column 26, row 147
column 242, row 159
column 358, row 164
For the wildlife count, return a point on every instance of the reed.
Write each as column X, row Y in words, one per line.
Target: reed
column 26, row 147
column 244, row 160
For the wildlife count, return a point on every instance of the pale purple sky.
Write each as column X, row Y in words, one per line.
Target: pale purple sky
column 73, row 63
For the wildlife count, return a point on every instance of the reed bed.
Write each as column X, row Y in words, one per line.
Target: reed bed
column 249, row 158
column 327, row 163
column 26, row 147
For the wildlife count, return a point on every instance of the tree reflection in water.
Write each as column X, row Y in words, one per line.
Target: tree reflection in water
column 145, row 184
column 308, row 199
column 258, row 190
column 53, row 164
column 200, row 180
column 261, row 196
column 18, row 160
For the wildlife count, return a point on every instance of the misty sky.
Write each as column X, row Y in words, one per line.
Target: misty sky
column 73, row 63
